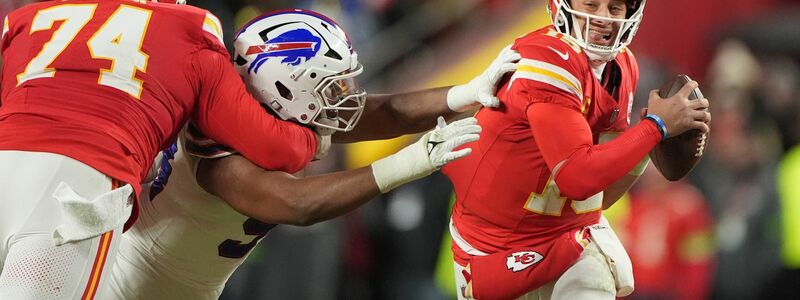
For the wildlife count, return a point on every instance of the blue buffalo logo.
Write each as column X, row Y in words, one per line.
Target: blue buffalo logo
column 294, row 46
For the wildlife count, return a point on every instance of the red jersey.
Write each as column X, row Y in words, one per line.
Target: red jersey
column 506, row 195
column 110, row 83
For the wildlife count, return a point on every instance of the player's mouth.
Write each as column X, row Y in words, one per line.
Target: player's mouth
column 599, row 37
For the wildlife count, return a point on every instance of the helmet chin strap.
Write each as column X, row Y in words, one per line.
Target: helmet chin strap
column 597, row 58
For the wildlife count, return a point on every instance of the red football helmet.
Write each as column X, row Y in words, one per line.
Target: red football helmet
column 564, row 19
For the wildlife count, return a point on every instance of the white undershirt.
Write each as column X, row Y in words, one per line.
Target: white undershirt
column 597, row 69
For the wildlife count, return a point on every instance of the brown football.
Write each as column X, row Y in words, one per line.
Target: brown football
column 676, row 156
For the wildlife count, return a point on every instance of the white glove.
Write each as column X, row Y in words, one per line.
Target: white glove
column 481, row 89
column 428, row 154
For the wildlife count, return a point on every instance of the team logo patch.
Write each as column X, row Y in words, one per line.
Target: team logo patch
column 519, row 261
column 294, row 46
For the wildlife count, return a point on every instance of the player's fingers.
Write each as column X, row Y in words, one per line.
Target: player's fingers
column 698, row 104
column 468, row 129
column 440, row 122
column 460, row 140
column 506, row 51
column 459, row 131
column 642, row 113
column 687, row 89
column 654, row 95
column 508, row 67
column 512, row 56
column 453, row 143
column 488, row 100
column 702, row 126
column 700, row 115
column 451, row 156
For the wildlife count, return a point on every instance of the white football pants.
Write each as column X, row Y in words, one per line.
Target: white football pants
column 50, row 247
column 589, row 278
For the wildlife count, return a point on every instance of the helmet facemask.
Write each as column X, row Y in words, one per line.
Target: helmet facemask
column 343, row 100
column 566, row 21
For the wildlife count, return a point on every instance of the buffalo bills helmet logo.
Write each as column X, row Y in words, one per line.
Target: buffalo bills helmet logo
column 294, row 46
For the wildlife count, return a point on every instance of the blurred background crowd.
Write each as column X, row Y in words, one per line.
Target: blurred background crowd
column 731, row 230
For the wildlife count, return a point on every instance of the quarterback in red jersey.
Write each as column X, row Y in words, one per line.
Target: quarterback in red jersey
column 527, row 218
column 91, row 91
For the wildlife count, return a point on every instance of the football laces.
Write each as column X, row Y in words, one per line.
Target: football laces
column 701, row 146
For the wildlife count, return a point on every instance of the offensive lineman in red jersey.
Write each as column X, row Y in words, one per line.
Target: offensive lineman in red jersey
column 529, row 195
column 91, row 91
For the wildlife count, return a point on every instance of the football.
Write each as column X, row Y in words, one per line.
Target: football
column 676, row 156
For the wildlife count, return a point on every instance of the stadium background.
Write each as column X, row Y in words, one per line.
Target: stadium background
column 730, row 231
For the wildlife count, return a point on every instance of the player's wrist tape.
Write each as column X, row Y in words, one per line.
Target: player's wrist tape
column 660, row 124
column 638, row 170
column 460, row 97
column 408, row 164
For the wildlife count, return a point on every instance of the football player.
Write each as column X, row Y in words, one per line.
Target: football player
column 527, row 218
column 198, row 227
column 91, row 92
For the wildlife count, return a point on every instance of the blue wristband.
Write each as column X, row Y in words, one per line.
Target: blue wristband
column 660, row 124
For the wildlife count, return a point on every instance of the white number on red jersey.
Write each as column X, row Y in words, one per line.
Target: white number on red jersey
column 118, row 40
column 550, row 201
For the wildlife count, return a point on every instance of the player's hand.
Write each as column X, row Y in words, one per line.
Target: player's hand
column 445, row 138
column 323, row 146
column 324, row 136
column 481, row 89
column 678, row 112
column 428, row 154
column 323, row 131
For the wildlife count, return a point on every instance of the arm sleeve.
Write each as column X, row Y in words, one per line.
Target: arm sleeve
column 226, row 113
column 582, row 169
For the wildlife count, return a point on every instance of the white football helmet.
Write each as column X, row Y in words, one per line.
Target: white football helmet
column 302, row 65
column 565, row 21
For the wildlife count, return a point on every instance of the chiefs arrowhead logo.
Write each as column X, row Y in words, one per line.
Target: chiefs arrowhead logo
column 519, row 261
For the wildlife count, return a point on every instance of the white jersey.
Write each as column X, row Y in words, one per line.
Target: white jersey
column 187, row 242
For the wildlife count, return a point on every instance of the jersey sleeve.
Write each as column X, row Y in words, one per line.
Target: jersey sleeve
column 212, row 29
column 547, row 73
column 211, row 34
column 226, row 113
column 199, row 145
column 565, row 141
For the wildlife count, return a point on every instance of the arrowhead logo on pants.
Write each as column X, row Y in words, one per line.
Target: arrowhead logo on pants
column 519, row 261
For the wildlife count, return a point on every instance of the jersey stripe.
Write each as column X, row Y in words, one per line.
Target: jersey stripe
column 97, row 267
column 213, row 26
column 550, row 74
column 5, row 28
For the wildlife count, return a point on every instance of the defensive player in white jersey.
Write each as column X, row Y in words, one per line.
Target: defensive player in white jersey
column 196, row 229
